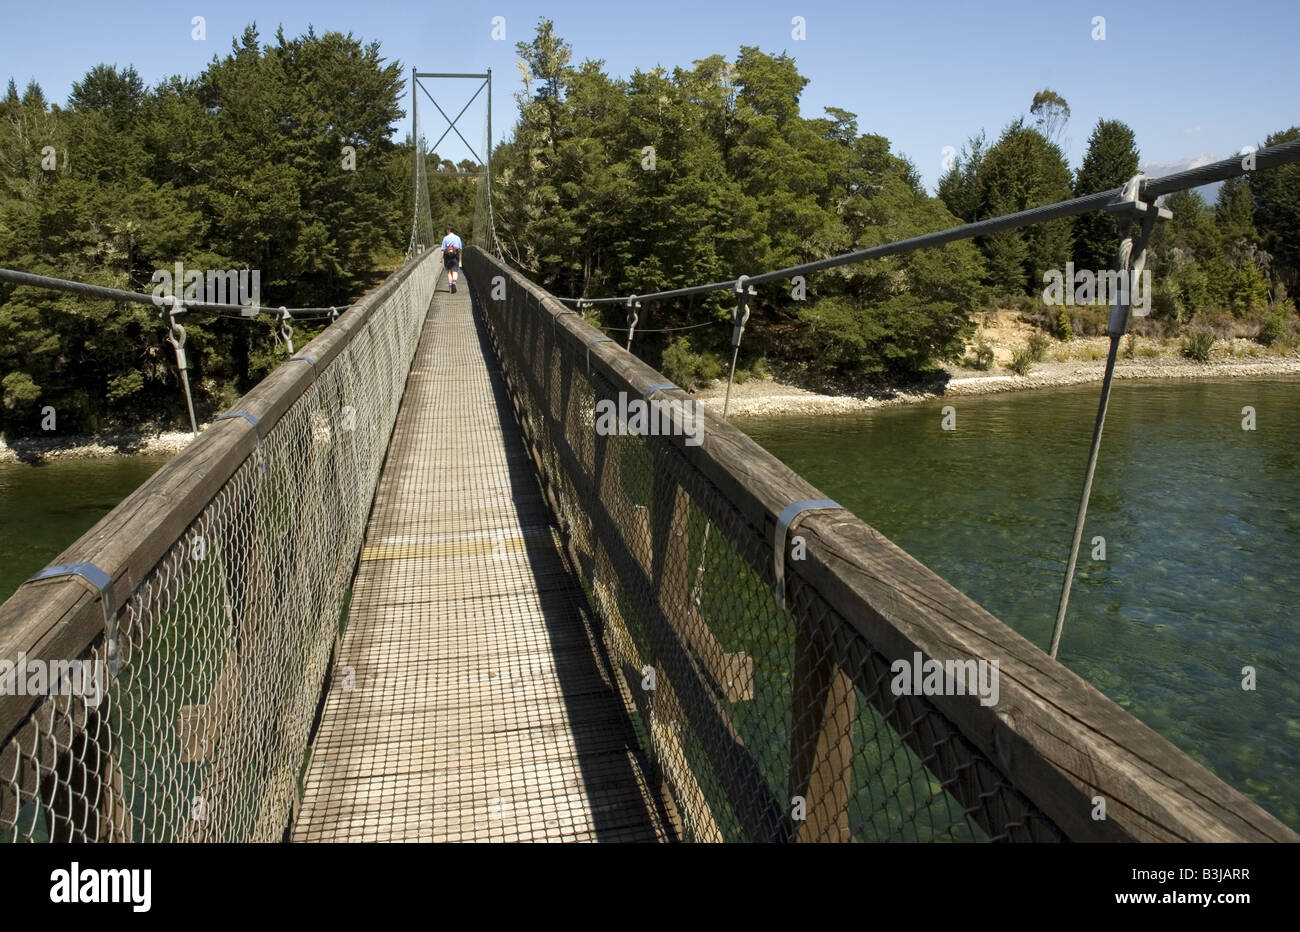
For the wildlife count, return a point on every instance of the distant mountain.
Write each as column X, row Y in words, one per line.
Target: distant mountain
column 1210, row 192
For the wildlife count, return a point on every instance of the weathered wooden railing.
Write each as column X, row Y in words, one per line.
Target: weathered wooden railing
column 207, row 605
column 775, row 724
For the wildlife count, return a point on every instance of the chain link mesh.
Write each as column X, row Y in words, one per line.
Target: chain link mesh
column 423, row 234
column 763, row 723
column 224, row 645
column 484, row 233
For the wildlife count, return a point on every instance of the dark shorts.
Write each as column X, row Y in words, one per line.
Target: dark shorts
column 450, row 262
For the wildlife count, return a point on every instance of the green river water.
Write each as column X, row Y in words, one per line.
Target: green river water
column 45, row 508
column 1201, row 521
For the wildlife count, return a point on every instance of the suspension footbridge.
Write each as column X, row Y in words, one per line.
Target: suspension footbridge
column 405, row 589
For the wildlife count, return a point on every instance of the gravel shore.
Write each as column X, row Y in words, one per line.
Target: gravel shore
column 146, row 440
column 767, row 398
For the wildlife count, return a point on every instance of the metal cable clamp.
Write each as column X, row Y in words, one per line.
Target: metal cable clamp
column 633, row 305
column 788, row 515
column 103, row 584
column 176, row 337
column 257, row 430
column 1128, row 210
column 589, row 344
column 286, row 329
column 744, row 291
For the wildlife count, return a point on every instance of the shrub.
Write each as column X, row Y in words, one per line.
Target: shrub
column 1272, row 329
column 1064, row 332
column 1250, row 291
column 1166, row 303
column 1022, row 360
column 1197, row 345
column 758, row 369
column 1130, row 347
column 1179, row 293
column 19, row 390
column 1221, row 324
column 982, row 359
column 1025, row 303
column 687, row 368
column 1090, row 321
column 1038, row 343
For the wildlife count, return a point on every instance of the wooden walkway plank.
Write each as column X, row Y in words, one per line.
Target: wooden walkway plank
column 467, row 702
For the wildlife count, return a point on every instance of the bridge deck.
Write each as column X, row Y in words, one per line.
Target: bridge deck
column 475, row 708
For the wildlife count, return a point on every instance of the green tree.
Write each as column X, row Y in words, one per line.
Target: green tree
column 959, row 186
column 1276, row 195
column 1111, row 160
column 1183, row 251
column 1234, row 213
column 1051, row 113
column 665, row 179
column 1249, row 291
column 1023, row 170
column 120, row 95
column 238, row 167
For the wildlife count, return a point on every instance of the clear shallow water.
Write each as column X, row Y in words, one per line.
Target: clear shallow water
column 45, row 508
column 1201, row 522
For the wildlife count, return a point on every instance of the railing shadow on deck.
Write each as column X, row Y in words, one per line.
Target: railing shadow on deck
column 619, row 798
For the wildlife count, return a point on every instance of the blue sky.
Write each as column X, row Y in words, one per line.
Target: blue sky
column 1196, row 81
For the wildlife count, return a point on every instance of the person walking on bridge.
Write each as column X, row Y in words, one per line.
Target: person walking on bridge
column 451, row 246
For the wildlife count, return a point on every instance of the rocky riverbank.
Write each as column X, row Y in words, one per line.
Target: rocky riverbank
column 769, row 398
column 143, row 441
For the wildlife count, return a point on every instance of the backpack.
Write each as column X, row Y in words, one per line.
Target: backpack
column 451, row 252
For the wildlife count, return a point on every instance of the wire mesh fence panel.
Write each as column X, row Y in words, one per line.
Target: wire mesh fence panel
column 198, row 728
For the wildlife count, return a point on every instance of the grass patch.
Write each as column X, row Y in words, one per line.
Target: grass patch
column 1197, row 345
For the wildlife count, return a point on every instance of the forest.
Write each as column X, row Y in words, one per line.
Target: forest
column 281, row 156
column 743, row 182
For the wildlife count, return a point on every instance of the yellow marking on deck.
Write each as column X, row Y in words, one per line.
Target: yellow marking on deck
column 515, row 544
